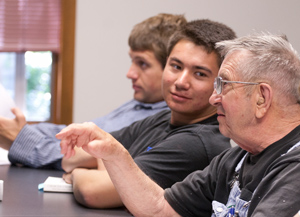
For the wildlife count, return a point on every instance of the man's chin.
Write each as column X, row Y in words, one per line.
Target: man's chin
column 223, row 131
column 139, row 98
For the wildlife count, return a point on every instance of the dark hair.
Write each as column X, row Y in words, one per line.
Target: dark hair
column 154, row 33
column 205, row 33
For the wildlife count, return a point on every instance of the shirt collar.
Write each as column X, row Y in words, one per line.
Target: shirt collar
column 157, row 105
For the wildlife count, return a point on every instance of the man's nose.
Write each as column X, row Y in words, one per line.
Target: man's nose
column 215, row 98
column 183, row 80
column 132, row 73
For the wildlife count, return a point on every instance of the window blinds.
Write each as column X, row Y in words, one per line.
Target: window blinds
column 30, row 25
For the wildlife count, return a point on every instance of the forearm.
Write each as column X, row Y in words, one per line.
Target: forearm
column 10, row 128
column 139, row 193
column 94, row 189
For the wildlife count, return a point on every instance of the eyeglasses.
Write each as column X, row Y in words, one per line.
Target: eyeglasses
column 219, row 83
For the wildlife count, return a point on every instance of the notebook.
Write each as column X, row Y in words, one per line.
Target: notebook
column 55, row 184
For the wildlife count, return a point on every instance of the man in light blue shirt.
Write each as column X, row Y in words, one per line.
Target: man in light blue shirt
column 36, row 146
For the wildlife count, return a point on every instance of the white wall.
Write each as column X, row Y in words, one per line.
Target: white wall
column 103, row 26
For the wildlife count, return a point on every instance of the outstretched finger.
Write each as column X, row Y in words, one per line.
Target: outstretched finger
column 63, row 133
column 71, row 130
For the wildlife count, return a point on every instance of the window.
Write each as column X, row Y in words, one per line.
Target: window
column 27, row 77
column 36, row 57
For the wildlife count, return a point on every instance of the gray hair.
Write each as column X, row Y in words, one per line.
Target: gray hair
column 270, row 59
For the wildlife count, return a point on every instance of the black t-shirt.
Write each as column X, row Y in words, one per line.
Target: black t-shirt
column 168, row 153
column 254, row 167
column 272, row 174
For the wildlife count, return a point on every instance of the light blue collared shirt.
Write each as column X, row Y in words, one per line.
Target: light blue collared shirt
column 37, row 147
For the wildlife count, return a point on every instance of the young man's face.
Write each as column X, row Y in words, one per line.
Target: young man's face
column 188, row 80
column 145, row 73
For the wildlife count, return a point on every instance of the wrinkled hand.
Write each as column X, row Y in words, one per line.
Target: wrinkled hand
column 10, row 128
column 90, row 137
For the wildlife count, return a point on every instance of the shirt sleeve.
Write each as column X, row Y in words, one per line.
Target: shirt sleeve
column 37, row 147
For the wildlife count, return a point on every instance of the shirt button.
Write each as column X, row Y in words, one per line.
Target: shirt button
column 219, row 209
column 138, row 107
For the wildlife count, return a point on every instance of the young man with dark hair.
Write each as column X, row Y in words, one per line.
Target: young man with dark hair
column 171, row 144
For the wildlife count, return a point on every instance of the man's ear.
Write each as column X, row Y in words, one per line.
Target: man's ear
column 263, row 99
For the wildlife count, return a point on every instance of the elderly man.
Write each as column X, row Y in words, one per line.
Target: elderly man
column 258, row 105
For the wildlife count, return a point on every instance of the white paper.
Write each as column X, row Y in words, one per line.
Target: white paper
column 6, row 103
column 1, row 190
column 57, row 184
column 4, row 157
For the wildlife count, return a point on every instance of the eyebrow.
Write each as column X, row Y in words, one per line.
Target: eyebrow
column 138, row 58
column 224, row 76
column 196, row 67
column 134, row 56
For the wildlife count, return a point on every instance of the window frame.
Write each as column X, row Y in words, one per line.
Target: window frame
column 63, row 67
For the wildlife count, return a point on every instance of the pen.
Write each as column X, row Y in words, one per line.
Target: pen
column 231, row 212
